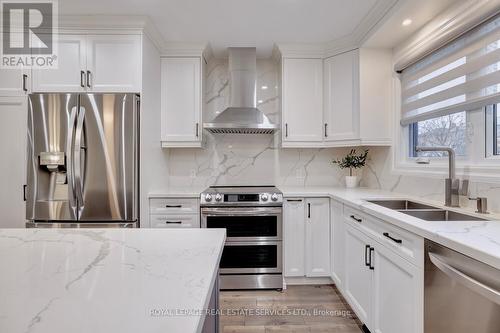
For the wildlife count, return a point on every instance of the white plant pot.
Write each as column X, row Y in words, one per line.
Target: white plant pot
column 351, row 181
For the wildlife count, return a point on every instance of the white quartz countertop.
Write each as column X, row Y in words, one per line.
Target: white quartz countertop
column 178, row 192
column 113, row 280
column 477, row 239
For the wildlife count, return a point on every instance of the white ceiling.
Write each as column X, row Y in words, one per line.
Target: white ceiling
column 226, row 23
column 391, row 33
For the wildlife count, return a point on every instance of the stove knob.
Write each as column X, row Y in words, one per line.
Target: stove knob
column 208, row 197
column 274, row 197
column 218, row 197
column 264, row 197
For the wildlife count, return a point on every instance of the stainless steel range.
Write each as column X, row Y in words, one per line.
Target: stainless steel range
column 252, row 216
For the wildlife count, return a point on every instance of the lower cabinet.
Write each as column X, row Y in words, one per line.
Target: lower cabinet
column 337, row 240
column 384, row 289
column 172, row 212
column 306, row 237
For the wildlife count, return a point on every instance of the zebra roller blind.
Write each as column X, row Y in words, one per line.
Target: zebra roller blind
column 463, row 75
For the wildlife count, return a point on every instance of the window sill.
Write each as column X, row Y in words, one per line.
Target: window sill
column 476, row 173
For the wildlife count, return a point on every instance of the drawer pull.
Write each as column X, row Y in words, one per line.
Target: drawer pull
column 399, row 241
column 173, row 206
column 356, row 219
column 294, row 200
column 367, row 249
column 372, row 250
column 173, row 222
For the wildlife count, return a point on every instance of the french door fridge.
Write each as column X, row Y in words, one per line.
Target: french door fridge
column 82, row 160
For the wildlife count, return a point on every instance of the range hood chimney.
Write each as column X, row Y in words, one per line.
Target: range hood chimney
column 242, row 116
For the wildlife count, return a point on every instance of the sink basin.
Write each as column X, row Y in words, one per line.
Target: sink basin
column 441, row 215
column 401, row 204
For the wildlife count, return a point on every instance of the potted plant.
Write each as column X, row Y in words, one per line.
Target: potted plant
column 352, row 161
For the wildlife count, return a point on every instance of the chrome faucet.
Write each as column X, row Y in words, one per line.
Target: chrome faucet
column 453, row 190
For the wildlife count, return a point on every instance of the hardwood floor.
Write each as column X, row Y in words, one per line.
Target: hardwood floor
column 312, row 309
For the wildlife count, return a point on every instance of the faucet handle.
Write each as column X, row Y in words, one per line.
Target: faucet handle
column 482, row 204
column 464, row 189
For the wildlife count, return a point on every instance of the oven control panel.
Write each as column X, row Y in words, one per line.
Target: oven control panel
column 246, row 199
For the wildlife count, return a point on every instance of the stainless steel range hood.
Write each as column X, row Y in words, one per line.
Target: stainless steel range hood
column 242, row 116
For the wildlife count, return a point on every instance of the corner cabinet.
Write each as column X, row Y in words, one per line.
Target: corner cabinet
column 344, row 100
column 302, row 95
column 306, row 225
column 181, row 102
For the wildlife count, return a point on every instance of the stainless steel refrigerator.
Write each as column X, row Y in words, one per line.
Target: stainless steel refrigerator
column 82, row 165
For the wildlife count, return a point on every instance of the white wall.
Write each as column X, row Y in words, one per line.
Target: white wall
column 153, row 159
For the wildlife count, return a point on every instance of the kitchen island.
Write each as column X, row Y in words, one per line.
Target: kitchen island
column 107, row 280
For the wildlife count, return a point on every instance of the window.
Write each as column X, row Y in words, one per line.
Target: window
column 448, row 131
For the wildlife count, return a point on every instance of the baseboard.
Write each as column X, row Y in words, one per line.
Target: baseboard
column 291, row 281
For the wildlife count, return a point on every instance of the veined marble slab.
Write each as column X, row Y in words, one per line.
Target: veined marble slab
column 114, row 280
column 477, row 239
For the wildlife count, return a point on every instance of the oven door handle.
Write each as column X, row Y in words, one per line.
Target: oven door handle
column 241, row 211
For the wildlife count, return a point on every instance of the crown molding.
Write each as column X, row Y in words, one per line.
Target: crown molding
column 112, row 23
column 185, row 49
column 375, row 17
column 444, row 28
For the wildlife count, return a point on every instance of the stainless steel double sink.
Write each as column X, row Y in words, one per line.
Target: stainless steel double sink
column 425, row 212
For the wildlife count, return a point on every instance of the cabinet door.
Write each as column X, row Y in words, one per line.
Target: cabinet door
column 302, row 100
column 14, row 82
column 358, row 276
column 398, row 294
column 13, row 124
column 317, row 237
column 293, row 237
column 337, row 236
column 71, row 64
column 181, row 101
column 341, row 97
column 114, row 63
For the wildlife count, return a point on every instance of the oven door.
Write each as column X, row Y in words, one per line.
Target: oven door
column 245, row 223
column 251, row 257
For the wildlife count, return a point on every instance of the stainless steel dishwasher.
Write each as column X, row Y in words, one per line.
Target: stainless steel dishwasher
column 462, row 295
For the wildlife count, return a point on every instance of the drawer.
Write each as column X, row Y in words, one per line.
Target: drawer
column 402, row 242
column 174, row 221
column 167, row 206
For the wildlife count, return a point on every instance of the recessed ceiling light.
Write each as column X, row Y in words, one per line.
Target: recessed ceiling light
column 263, row 87
column 407, row 22
column 260, row 101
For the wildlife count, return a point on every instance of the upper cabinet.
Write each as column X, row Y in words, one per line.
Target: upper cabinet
column 181, row 102
column 343, row 100
column 302, row 95
column 14, row 82
column 93, row 63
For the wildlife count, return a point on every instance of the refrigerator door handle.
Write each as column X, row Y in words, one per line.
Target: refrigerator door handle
column 70, row 159
column 77, row 151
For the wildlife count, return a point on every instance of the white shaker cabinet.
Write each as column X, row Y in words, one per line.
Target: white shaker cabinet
column 397, row 294
column 337, row 243
column 114, row 63
column 302, row 102
column 181, row 102
column 358, row 283
column 317, row 237
column 306, row 237
column 69, row 76
column 358, row 97
column 14, row 82
column 293, row 237
column 93, row 63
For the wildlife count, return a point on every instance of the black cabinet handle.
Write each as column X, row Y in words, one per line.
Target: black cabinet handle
column 308, row 210
column 25, row 77
column 395, row 240
column 286, row 130
column 82, row 79
column 173, row 206
column 372, row 250
column 173, row 222
column 197, row 130
column 356, row 219
column 326, row 130
column 88, row 79
column 367, row 249
column 294, row 200
column 24, row 192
